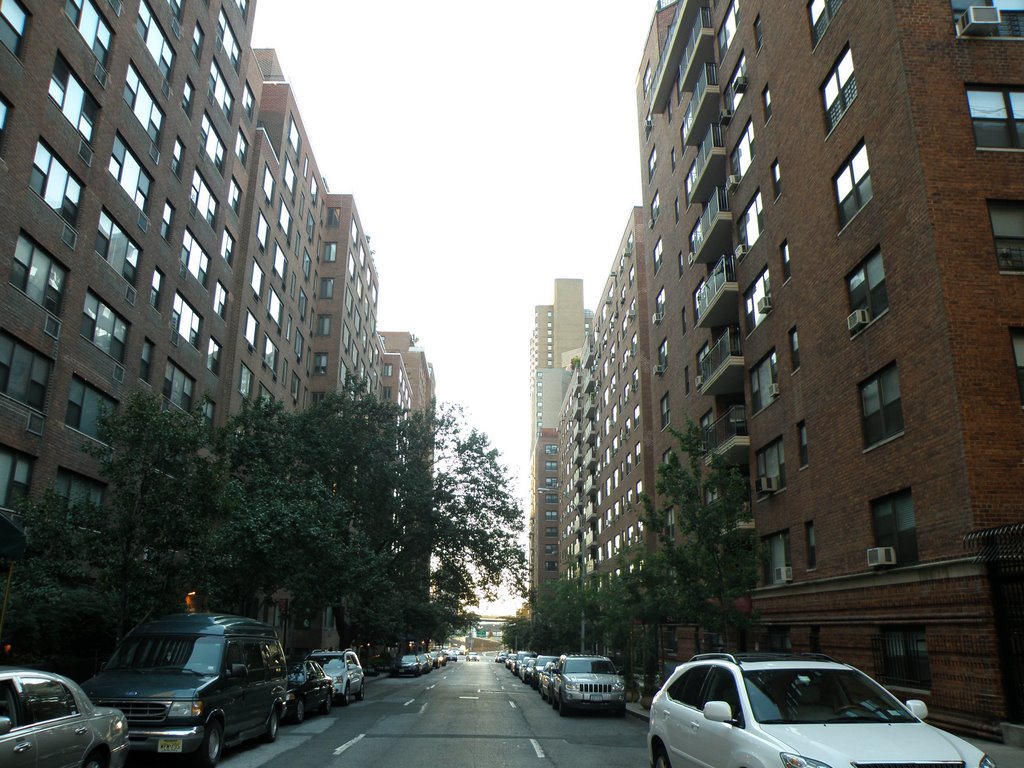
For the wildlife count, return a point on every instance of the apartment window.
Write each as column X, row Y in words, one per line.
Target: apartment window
column 13, row 18
column 234, row 195
column 268, row 183
column 146, row 360
column 551, row 449
column 284, row 220
column 219, row 91
column 757, row 300
column 245, row 381
column 167, row 221
column 155, row 289
column 330, row 252
column 156, row 41
column 794, row 350
column 213, row 357
column 185, row 320
column 52, row 181
column 894, row 525
column 881, row 407
column 998, row 117
column 743, row 153
column 143, row 104
column 787, row 266
column 178, row 387
column 197, row 42
column 194, row 258
column 764, row 378
column 86, row 406
column 212, row 144
column 839, row 89
column 188, row 92
column 227, row 247
column 766, row 103
column 320, row 363
column 550, row 466
column 821, row 13
column 866, row 286
column 810, row 545
column 228, row 41
column 289, row 177
column 771, row 462
column 24, row 373
column 177, row 158
column 652, row 163
column 648, row 78
column 852, row 185
column 323, row 325
column 758, row 33
column 1008, row 231
column 4, row 109
column 727, row 32
column 1017, row 338
column 326, row 287
column 241, row 147
column 655, row 206
column 248, row 101
column 666, row 415
column 901, row 657
column 75, row 102
column 114, row 245
column 38, row 275
column 262, row 231
column 657, row 254
column 779, row 558
column 303, row 301
column 280, row 261
column 776, row 180
column 274, row 307
column 251, row 328
column 202, row 198
column 88, row 21
column 751, row 222
column 126, row 168
column 294, row 139
column 300, row 343
column 307, row 266
column 220, row 300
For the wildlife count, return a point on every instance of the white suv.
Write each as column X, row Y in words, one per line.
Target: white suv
column 344, row 669
column 791, row 711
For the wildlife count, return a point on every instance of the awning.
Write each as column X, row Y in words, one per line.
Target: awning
column 12, row 539
column 1000, row 544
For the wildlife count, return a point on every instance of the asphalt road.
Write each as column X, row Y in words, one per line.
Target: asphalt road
column 464, row 715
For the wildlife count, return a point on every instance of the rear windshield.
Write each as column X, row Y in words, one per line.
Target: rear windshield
column 168, row 653
column 409, row 659
column 591, row 666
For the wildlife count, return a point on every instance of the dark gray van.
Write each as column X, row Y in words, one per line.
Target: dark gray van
column 195, row 683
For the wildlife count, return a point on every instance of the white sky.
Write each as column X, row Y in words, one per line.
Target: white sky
column 491, row 148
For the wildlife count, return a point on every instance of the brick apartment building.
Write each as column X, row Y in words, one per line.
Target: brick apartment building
column 411, row 376
column 834, row 202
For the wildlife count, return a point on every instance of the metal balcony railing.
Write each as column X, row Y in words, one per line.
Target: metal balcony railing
column 716, row 204
column 728, row 346
column 724, row 272
column 703, row 25
column 732, row 424
column 708, row 78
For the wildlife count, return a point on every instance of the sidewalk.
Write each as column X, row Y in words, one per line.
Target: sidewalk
column 1005, row 755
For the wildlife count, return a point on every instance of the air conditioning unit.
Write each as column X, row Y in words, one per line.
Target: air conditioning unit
column 733, row 181
column 51, row 326
column 698, row 381
column 659, row 370
column 649, row 123
column 726, row 117
column 739, row 85
column 34, row 423
column 782, row 575
column 979, row 20
column 881, row 556
column 740, row 251
column 657, row 317
column 773, row 391
column 858, row 319
column 764, row 305
column 691, row 258
column 767, row 484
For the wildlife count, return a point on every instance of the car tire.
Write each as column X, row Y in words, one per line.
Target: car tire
column 563, row 710
column 208, row 754
column 96, row 760
column 270, row 734
column 300, row 710
column 344, row 701
column 325, row 708
column 361, row 693
column 661, row 760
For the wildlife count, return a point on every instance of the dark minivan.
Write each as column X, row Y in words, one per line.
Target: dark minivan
column 195, row 683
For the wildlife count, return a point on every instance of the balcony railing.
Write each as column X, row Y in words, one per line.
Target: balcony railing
column 717, row 204
column 709, row 290
column 1010, row 254
column 707, row 81
column 701, row 36
column 711, row 142
column 728, row 346
column 723, row 432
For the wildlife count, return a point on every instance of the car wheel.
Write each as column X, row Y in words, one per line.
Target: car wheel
column 270, row 735
column 95, row 760
column 344, row 697
column 661, row 760
column 563, row 710
column 543, row 696
column 208, row 754
column 325, row 708
column 361, row 693
column 553, row 698
column 300, row 710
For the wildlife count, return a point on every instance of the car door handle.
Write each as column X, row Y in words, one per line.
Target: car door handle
column 81, row 730
column 24, row 746
column 694, row 726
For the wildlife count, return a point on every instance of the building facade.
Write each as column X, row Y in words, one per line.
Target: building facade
column 832, row 192
column 418, row 371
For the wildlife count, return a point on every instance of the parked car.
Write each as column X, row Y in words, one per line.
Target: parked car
column 526, row 669
column 195, row 683
column 309, row 687
column 587, row 682
column 517, row 659
column 408, row 664
column 752, row 709
column 472, row 656
column 531, row 675
column 425, row 664
column 544, row 680
column 47, row 721
column 501, row 656
column 346, row 670
column 452, row 654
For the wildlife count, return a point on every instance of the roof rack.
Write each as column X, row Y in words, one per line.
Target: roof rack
column 740, row 658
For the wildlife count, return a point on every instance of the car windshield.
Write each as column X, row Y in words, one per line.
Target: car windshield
column 787, row 696
column 168, row 653
column 297, row 673
column 332, row 665
column 591, row 666
column 409, row 659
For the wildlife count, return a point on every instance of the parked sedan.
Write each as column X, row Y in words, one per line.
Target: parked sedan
column 309, row 687
column 49, row 720
column 409, row 664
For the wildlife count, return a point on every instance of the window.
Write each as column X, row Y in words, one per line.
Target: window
column 771, row 462
column 228, row 41
column 997, row 117
column 156, row 41
column 37, row 274
column 758, row 33
column 167, row 221
column 881, row 408
column 866, row 286
column 185, row 320
column 220, row 300
column 284, row 221
column 114, row 245
column 202, row 198
column 24, row 373
column 280, row 261
column 743, row 154
column 188, row 92
column 657, row 253
column 4, row 109
column 901, row 658
column 550, row 466
column 787, row 266
column 251, row 329
column 853, row 185
column 754, row 300
column 262, row 230
column 197, row 42
column 126, row 168
column 727, row 31
column 194, row 258
column 248, row 101
column 776, row 180
column 330, row 252
column 320, row 363
column 274, row 307
column 652, row 163
column 764, row 379
column 1008, row 231
column 76, row 488
column 227, row 247
column 323, row 325
column 85, row 407
column 666, row 416
column 178, row 387
column 52, row 181
column 839, row 90
column 212, row 144
column 219, row 91
column 779, row 558
column 234, row 195
column 155, row 288
column 794, row 350
column 294, row 140
column 75, row 102
column 821, row 13
column 289, row 177
column 143, row 104
column 663, row 354
column 810, row 545
column 213, row 357
column 326, row 287
column 751, row 222
column 1017, row 339
column 245, row 381
column 655, row 206
column 894, row 526
column 12, row 24
column 766, row 103
column 241, row 147
column 648, row 78
column 177, row 158
column 88, row 21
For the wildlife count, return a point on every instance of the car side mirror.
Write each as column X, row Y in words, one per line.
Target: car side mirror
column 5, row 725
column 238, row 670
column 718, row 712
column 918, row 708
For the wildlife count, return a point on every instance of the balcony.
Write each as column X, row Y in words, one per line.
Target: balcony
column 728, row 437
column 709, row 166
column 588, row 485
column 672, row 54
column 590, row 460
column 577, row 456
column 577, row 480
column 589, row 538
column 704, row 106
column 590, row 406
column 589, row 382
column 589, row 353
column 700, row 49
column 591, row 565
column 717, row 299
column 721, row 370
column 590, row 512
column 713, row 234
column 590, row 433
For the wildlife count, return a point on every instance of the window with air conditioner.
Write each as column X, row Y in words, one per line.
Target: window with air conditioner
column 742, row 155
column 764, row 379
column 894, row 525
column 771, row 462
column 779, row 559
column 1007, row 218
column 867, row 291
column 753, row 299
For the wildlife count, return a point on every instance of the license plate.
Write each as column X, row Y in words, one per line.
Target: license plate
column 169, row 745
column 597, row 697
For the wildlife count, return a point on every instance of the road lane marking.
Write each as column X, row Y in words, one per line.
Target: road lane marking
column 424, row 707
column 537, row 749
column 348, row 744
column 512, row 704
column 469, row 697
column 431, row 687
column 410, row 701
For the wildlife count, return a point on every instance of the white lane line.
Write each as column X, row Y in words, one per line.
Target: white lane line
column 469, row 697
column 348, row 744
column 512, row 704
column 410, row 701
column 424, row 707
column 431, row 687
column 537, row 749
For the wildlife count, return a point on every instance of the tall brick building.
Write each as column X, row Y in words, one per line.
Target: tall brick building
column 834, row 196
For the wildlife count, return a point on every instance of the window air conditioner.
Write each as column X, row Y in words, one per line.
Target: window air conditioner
column 739, row 85
column 733, row 181
column 740, row 251
column 657, row 317
column 659, row 370
column 881, row 556
column 858, row 319
column 782, row 575
column 726, row 117
column 764, row 305
column 691, row 258
column 979, row 20
column 698, row 381
column 773, row 391
column 767, row 484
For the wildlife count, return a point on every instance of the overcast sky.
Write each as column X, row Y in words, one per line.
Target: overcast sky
column 491, row 148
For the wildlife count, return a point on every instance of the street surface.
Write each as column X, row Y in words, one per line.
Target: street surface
column 464, row 715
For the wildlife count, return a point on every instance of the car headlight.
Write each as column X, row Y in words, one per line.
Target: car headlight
column 618, row 685
column 120, row 726
column 987, row 762
column 790, row 760
column 571, row 685
column 186, row 708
